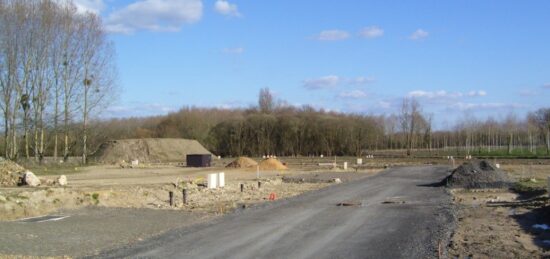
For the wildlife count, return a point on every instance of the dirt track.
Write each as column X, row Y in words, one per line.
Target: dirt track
column 400, row 217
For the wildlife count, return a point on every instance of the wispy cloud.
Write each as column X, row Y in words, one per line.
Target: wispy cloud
column 154, row 15
column 332, row 35
column 322, row 82
column 83, row 6
column 371, row 32
column 485, row 106
column 419, row 35
column 527, row 93
column 444, row 94
column 234, row 51
column 354, row 94
column 226, row 8
column 332, row 81
column 477, row 93
column 360, row 80
column 138, row 109
column 546, row 86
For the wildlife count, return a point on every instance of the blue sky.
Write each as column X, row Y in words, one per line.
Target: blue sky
column 484, row 58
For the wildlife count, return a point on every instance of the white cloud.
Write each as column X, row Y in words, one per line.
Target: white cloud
column 477, row 93
column 138, row 109
column 546, row 86
column 332, row 81
column 434, row 94
column 419, row 34
column 226, row 8
column 83, row 6
column 485, row 106
column 371, row 32
column 442, row 94
column 322, row 82
column 154, row 15
column 354, row 94
column 332, row 35
column 384, row 104
column 360, row 80
column 527, row 93
column 236, row 51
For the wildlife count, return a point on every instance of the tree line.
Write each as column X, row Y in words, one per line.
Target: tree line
column 274, row 128
column 56, row 72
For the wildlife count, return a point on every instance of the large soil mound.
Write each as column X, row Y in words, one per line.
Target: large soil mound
column 9, row 172
column 242, row 162
column 148, row 150
column 477, row 174
column 272, row 164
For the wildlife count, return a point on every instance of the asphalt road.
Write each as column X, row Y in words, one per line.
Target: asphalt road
column 401, row 216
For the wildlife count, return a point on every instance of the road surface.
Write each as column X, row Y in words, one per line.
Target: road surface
column 402, row 215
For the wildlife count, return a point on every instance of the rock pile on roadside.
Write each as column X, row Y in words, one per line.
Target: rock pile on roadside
column 477, row 174
column 10, row 172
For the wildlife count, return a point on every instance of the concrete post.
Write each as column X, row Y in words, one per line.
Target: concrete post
column 184, row 196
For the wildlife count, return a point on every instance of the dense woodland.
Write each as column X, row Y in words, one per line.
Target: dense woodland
column 57, row 72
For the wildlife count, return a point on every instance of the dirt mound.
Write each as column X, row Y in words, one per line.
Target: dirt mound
column 147, row 150
column 9, row 172
column 477, row 174
column 242, row 162
column 272, row 164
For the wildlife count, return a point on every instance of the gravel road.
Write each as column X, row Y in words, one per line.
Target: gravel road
column 87, row 231
column 400, row 216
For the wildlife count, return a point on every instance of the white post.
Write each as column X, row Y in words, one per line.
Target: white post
column 257, row 172
column 221, row 179
column 359, row 161
column 212, row 181
column 345, row 165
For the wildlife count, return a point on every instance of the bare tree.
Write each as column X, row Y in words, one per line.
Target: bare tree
column 266, row 101
column 409, row 119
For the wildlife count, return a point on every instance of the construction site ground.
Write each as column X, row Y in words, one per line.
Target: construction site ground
column 107, row 206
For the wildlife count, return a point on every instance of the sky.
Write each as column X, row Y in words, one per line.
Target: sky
column 457, row 58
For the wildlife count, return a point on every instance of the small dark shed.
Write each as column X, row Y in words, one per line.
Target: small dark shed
column 199, row 160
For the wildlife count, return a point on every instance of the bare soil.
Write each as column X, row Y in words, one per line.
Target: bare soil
column 498, row 223
column 147, row 150
column 489, row 226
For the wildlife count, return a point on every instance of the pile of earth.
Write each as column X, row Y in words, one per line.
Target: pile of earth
column 272, row 164
column 151, row 150
column 477, row 174
column 10, row 172
column 242, row 162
